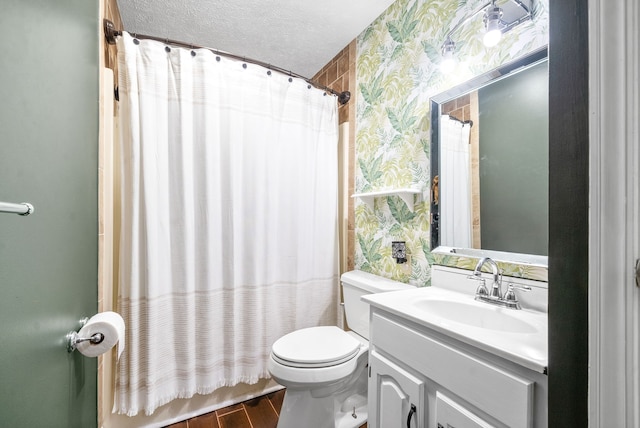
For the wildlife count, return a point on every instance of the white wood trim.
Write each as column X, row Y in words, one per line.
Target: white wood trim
column 633, row 211
column 343, row 191
column 614, row 344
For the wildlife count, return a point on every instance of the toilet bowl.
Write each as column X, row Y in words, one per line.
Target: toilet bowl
column 324, row 368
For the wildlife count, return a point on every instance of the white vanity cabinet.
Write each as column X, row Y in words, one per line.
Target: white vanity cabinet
column 421, row 378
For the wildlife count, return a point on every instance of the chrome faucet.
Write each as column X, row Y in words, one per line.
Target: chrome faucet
column 495, row 296
column 496, row 287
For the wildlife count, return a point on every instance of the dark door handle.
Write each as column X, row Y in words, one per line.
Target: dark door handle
column 411, row 413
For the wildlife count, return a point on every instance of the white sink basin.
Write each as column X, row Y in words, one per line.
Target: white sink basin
column 476, row 314
column 517, row 335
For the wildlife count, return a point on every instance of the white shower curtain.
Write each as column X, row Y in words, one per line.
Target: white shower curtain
column 229, row 219
column 455, row 183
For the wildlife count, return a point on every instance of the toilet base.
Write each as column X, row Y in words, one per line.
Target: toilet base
column 301, row 409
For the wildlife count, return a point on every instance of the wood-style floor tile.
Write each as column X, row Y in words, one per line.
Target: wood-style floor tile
column 276, row 399
column 210, row 420
column 230, row 409
column 237, row 419
column 261, row 413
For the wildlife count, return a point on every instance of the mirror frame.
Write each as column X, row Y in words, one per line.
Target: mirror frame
column 436, row 102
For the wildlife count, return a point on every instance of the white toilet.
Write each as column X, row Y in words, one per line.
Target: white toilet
column 324, row 368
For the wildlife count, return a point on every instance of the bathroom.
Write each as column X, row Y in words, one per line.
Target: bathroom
column 41, row 152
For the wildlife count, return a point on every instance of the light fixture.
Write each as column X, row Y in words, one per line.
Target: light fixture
column 492, row 22
column 448, row 59
column 497, row 21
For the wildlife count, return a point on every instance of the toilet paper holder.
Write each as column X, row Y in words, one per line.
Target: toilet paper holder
column 73, row 338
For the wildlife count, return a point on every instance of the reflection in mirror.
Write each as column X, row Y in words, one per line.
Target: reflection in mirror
column 489, row 163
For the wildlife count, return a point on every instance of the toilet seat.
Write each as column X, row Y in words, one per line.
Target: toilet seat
column 315, row 347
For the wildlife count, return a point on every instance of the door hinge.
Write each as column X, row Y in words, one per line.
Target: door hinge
column 637, row 272
column 369, row 371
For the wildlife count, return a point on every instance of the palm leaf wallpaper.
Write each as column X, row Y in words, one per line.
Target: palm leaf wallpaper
column 397, row 74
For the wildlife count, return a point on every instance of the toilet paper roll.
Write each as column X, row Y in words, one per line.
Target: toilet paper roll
column 111, row 325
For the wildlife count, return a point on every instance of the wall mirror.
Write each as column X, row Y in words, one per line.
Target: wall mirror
column 489, row 164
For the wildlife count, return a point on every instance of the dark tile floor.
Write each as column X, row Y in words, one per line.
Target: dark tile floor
column 261, row 412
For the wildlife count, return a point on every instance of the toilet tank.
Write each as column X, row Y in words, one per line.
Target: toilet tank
column 357, row 283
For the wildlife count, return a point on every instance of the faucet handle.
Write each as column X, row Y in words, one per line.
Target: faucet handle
column 511, row 286
column 482, row 288
column 510, row 295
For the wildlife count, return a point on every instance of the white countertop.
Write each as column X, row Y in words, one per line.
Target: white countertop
column 522, row 338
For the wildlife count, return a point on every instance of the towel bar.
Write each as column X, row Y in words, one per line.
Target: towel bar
column 23, row 208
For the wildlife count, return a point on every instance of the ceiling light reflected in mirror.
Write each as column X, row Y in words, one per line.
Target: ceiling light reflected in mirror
column 492, row 22
column 498, row 17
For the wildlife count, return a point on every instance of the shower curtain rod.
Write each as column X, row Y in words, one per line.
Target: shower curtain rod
column 111, row 33
column 464, row 122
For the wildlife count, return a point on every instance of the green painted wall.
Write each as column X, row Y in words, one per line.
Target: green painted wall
column 514, row 162
column 397, row 73
column 48, row 260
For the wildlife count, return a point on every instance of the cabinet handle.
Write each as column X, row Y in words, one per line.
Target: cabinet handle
column 411, row 412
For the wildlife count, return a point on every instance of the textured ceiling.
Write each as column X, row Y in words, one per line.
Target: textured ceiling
column 297, row 35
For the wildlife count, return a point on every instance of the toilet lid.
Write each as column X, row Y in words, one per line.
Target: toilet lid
column 315, row 347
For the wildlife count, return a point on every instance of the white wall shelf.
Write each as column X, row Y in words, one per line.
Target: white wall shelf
column 406, row 194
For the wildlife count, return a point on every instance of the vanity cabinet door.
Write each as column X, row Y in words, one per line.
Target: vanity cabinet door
column 396, row 397
column 450, row 414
